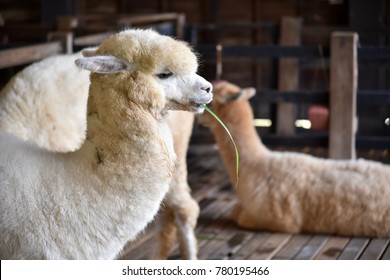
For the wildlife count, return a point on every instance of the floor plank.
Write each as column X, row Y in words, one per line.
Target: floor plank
column 251, row 245
column 270, row 247
column 354, row 248
column 375, row 249
column 236, row 239
column 310, row 249
column 386, row 254
column 216, row 237
column 333, row 247
column 292, row 247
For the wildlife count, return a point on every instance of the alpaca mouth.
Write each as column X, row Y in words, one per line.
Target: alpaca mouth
column 198, row 107
column 192, row 106
column 198, row 103
column 202, row 100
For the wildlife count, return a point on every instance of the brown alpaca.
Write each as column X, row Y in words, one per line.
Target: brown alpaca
column 294, row 192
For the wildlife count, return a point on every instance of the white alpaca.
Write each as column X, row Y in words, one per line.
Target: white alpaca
column 89, row 203
column 294, row 192
column 46, row 103
column 49, row 109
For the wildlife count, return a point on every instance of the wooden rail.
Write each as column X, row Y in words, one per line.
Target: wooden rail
column 93, row 39
column 344, row 59
column 28, row 54
column 64, row 40
column 372, row 97
column 59, row 43
column 104, row 23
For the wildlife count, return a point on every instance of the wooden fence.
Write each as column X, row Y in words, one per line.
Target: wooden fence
column 343, row 55
column 93, row 29
column 342, row 96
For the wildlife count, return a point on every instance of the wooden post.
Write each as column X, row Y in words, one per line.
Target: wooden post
column 218, row 67
column 66, row 39
column 180, row 25
column 67, row 23
column 288, row 75
column 343, row 90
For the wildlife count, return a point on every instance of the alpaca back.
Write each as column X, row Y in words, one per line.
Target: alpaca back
column 49, row 108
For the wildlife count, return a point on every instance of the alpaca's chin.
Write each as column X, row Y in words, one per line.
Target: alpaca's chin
column 191, row 107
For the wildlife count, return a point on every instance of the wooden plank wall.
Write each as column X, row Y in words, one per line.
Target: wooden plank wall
column 258, row 74
column 262, row 73
column 343, row 90
column 290, row 35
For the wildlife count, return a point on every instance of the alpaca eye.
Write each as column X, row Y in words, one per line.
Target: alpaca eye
column 163, row 76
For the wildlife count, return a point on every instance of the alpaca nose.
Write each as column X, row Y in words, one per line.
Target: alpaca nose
column 206, row 89
column 203, row 91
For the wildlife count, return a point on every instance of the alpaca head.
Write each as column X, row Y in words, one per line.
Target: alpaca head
column 163, row 64
column 230, row 102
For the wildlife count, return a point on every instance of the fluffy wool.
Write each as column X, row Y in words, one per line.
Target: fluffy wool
column 30, row 107
column 89, row 203
column 54, row 117
column 294, row 192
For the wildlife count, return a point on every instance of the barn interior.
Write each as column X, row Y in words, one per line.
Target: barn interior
column 297, row 54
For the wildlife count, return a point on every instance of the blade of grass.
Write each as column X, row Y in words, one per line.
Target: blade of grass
column 231, row 137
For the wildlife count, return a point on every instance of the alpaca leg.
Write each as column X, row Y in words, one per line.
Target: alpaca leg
column 179, row 216
column 186, row 219
column 165, row 233
column 185, row 208
column 243, row 218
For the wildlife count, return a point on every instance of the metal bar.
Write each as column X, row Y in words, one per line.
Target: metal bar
column 373, row 97
column 274, row 96
column 251, row 52
column 381, row 54
column 371, row 54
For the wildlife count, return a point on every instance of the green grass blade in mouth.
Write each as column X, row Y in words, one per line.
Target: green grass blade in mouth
column 228, row 132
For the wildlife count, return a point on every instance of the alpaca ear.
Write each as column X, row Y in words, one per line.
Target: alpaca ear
column 245, row 93
column 248, row 93
column 88, row 52
column 222, row 99
column 104, row 64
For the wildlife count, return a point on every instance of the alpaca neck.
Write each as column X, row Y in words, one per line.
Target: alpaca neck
column 106, row 118
column 120, row 130
column 239, row 120
column 130, row 153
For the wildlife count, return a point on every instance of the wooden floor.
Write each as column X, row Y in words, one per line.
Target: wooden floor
column 219, row 238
